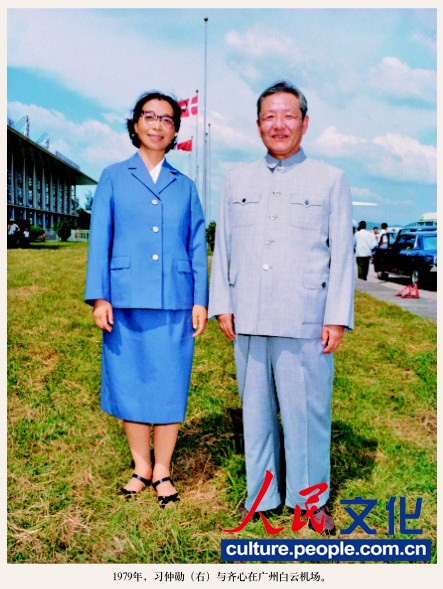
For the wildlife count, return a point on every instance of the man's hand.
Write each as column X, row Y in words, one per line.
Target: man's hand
column 103, row 315
column 226, row 323
column 199, row 319
column 332, row 335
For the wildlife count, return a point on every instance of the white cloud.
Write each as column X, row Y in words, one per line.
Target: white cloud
column 395, row 79
column 91, row 144
column 331, row 143
column 363, row 192
column 92, row 54
column 366, row 193
column 262, row 55
column 392, row 156
column 260, row 41
column 112, row 117
column 405, row 158
column 426, row 41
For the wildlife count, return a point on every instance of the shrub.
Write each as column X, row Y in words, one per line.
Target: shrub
column 63, row 228
column 36, row 233
column 210, row 234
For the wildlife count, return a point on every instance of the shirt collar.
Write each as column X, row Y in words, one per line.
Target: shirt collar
column 273, row 162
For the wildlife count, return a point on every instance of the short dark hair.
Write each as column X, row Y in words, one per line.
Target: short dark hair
column 384, row 225
column 137, row 111
column 361, row 225
column 287, row 87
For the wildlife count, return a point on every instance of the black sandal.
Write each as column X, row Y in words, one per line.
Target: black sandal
column 127, row 493
column 165, row 499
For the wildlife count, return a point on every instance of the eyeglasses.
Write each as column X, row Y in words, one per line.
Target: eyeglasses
column 150, row 118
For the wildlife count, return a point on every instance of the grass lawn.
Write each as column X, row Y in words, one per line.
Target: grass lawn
column 66, row 457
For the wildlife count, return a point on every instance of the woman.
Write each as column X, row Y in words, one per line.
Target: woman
column 147, row 282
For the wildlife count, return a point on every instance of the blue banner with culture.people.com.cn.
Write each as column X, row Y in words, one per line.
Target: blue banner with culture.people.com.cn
column 358, row 508
column 327, row 550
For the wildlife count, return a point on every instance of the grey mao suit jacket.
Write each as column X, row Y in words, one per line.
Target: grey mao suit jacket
column 283, row 261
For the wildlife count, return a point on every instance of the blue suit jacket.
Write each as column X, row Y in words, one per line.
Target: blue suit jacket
column 147, row 246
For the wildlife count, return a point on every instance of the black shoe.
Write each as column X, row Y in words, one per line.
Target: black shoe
column 165, row 499
column 127, row 493
column 328, row 524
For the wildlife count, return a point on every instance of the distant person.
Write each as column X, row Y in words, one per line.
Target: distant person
column 364, row 242
column 383, row 230
column 13, row 233
column 376, row 235
column 147, row 282
column 26, row 237
column 383, row 243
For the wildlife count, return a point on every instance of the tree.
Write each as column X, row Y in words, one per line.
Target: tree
column 210, row 234
column 75, row 203
column 89, row 197
column 84, row 219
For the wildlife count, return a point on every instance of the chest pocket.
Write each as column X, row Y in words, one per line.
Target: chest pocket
column 305, row 212
column 244, row 209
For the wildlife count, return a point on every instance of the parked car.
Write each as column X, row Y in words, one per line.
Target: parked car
column 413, row 253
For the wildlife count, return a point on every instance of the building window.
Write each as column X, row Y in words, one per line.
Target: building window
column 19, row 189
column 29, row 201
column 47, row 197
column 53, row 195
column 39, row 193
column 10, row 193
column 74, row 203
column 60, row 198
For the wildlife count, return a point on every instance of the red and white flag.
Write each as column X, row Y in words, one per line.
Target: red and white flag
column 189, row 106
column 185, row 145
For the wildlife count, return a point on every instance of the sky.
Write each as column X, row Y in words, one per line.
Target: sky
column 369, row 76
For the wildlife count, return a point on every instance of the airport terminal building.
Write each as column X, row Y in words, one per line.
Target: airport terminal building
column 41, row 184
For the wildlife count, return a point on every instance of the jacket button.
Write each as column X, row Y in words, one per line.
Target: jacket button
column 155, row 229
column 273, row 217
column 154, row 201
column 243, row 199
column 265, row 266
column 276, row 193
column 306, row 202
column 323, row 284
column 155, row 257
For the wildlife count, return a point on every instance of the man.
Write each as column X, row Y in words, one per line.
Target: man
column 364, row 243
column 13, row 230
column 383, row 242
column 282, row 290
column 384, row 229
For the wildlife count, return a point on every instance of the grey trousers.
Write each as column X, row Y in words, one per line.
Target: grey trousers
column 295, row 377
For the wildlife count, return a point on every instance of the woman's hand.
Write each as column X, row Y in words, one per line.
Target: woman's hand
column 103, row 315
column 199, row 319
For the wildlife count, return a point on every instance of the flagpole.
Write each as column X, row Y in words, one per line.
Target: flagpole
column 196, row 146
column 209, row 172
column 190, row 154
column 205, row 180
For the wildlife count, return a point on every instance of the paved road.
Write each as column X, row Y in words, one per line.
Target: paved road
column 425, row 306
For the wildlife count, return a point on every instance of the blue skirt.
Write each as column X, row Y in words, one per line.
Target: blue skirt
column 146, row 365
